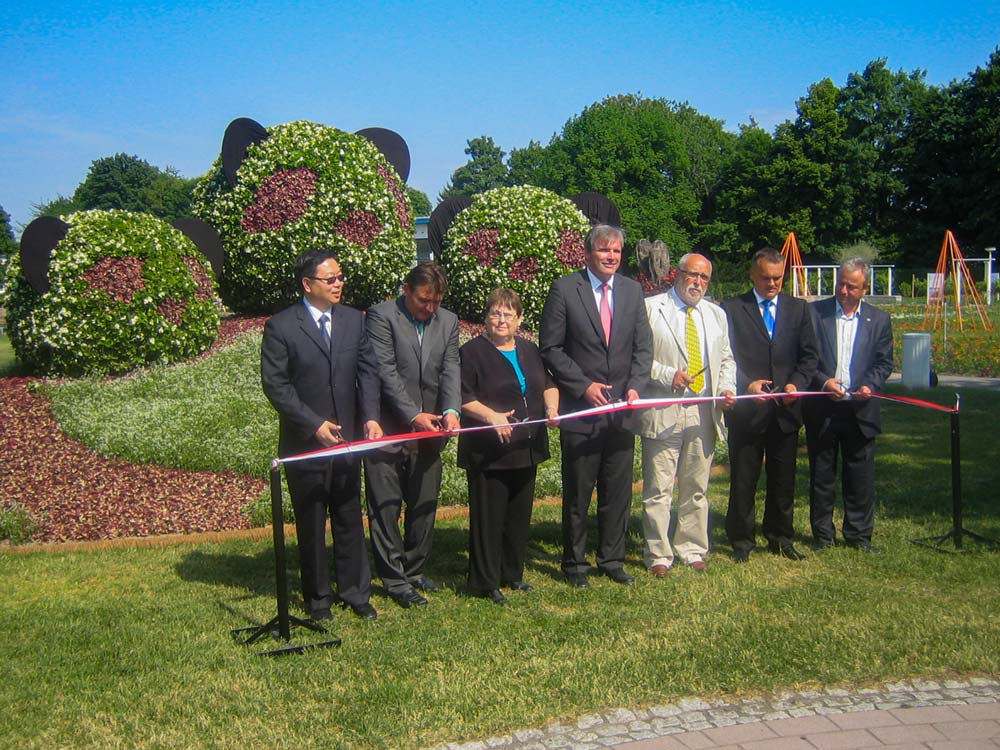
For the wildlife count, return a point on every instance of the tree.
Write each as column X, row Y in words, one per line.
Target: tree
column 660, row 161
column 8, row 245
column 132, row 184
column 419, row 200
column 58, row 206
column 484, row 171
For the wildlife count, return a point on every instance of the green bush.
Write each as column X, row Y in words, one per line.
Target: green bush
column 522, row 238
column 308, row 185
column 17, row 525
column 127, row 290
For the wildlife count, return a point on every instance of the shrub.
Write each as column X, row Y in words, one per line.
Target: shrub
column 127, row 290
column 17, row 525
column 308, row 185
column 518, row 237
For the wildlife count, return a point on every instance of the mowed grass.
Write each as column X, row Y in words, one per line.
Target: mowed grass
column 129, row 647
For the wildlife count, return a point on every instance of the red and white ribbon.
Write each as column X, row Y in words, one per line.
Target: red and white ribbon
column 363, row 446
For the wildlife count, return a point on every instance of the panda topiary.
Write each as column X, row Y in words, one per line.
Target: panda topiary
column 274, row 193
column 105, row 292
column 522, row 238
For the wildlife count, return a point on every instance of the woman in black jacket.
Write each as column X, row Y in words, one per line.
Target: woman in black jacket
column 503, row 383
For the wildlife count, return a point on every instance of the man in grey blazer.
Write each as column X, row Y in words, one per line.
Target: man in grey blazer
column 318, row 371
column 855, row 359
column 595, row 340
column 691, row 357
column 416, row 345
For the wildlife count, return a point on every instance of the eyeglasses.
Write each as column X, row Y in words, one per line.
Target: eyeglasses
column 329, row 280
column 695, row 275
column 494, row 315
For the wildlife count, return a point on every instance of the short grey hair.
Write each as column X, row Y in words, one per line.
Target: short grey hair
column 857, row 264
column 599, row 232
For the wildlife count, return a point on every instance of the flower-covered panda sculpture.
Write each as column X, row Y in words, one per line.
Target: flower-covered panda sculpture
column 274, row 193
column 105, row 292
column 520, row 237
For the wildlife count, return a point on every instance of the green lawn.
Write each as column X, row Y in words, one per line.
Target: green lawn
column 129, row 647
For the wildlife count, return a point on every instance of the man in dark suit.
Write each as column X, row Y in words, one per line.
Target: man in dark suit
column 319, row 372
column 855, row 359
column 595, row 340
column 775, row 350
column 416, row 345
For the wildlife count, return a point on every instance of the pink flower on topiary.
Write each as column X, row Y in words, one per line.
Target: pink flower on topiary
column 281, row 199
column 570, row 250
column 392, row 182
column 483, row 245
column 359, row 227
column 172, row 310
column 650, row 287
column 120, row 278
column 524, row 269
column 204, row 283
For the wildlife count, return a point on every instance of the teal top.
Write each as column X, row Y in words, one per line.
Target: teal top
column 512, row 358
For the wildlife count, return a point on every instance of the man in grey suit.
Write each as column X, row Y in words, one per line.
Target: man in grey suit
column 318, row 371
column 691, row 357
column 855, row 359
column 416, row 345
column 595, row 340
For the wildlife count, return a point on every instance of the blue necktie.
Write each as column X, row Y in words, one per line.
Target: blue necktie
column 768, row 317
column 323, row 319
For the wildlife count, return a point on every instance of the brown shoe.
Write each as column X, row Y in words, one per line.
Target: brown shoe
column 698, row 565
column 660, row 571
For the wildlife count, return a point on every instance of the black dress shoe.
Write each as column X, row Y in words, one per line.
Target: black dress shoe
column 862, row 545
column 577, row 580
column 519, row 586
column 321, row 615
column 823, row 544
column 495, row 596
column 741, row 555
column 408, row 598
column 426, row 584
column 364, row 610
column 786, row 550
column 619, row 576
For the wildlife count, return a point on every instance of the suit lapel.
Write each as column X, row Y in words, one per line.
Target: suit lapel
column 756, row 320
column 673, row 319
column 308, row 325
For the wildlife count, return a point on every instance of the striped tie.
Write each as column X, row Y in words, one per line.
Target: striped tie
column 693, row 344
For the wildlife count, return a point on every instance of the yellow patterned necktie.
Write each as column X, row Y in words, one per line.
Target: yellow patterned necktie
column 693, row 351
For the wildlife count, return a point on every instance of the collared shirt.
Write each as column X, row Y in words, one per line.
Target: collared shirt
column 847, row 332
column 760, row 305
column 316, row 314
column 419, row 325
column 596, row 284
column 699, row 323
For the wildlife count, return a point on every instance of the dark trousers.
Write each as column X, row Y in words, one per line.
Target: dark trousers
column 391, row 486
column 776, row 450
column 500, row 504
column 841, row 439
column 604, row 459
column 333, row 487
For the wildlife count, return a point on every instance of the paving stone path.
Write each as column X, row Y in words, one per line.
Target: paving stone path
column 944, row 715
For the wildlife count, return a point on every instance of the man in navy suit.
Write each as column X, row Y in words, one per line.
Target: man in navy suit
column 774, row 346
column 319, row 372
column 855, row 359
column 595, row 340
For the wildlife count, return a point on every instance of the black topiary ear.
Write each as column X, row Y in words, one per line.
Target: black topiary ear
column 240, row 133
column 597, row 208
column 441, row 218
column 205, row 238
column 393, row 148
column 37, row 242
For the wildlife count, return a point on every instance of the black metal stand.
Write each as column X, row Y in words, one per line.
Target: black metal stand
column 279, row 627
column 957, row 532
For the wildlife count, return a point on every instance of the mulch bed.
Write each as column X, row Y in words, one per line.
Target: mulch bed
column 75, row 494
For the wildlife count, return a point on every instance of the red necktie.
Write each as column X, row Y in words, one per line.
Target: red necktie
column 606, row 313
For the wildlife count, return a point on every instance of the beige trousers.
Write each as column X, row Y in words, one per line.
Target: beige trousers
column 683, row 458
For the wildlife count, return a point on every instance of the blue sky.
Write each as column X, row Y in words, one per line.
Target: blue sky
column 83, row 80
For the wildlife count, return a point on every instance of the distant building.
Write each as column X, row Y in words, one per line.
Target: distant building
column 420, row 235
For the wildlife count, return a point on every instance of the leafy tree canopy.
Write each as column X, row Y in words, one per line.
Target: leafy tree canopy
column 419, row 200
column 484, row 171
column 8, row 245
